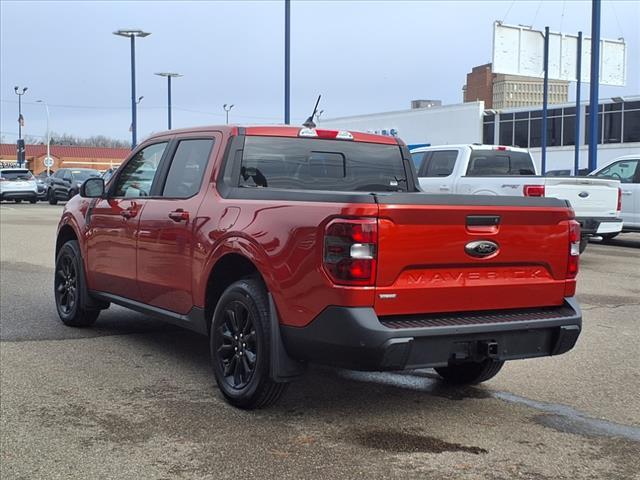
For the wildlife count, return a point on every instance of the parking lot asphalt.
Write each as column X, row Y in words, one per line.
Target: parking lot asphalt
column 134, row 398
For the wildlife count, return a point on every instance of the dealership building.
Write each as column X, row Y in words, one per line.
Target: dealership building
column 64, row 156
column 618, row 130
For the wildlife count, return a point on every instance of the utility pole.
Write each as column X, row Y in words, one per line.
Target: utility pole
column 169, row 76
column 576, row 159
column 20, row 149
column 287, row 61
column 594, row 134
column 227, row 109
column 132, row 34
column 48, row 164
column 545, row 101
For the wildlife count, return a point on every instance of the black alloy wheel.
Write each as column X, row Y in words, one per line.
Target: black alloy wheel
column 66, row 285
column 74, row 305
column 240, row 346
column 236, row 347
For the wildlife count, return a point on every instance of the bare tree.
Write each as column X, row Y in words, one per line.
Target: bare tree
column 93, row 141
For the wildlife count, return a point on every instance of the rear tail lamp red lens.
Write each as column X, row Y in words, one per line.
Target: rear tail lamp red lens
column 533, row 190
column 574, row 249
column 619, row 207
column 350, row 251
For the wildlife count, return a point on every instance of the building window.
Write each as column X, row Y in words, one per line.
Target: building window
column 631, row 122
column 554, row 131
column 506, row 132
column 521, row 133
column 569, row 130
column 535, row 135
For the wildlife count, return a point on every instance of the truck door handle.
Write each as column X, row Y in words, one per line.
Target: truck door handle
column 179, row 215
column 445, row 188
column 626, row 192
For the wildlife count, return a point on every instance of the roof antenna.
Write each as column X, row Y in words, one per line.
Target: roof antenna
column 309, row 123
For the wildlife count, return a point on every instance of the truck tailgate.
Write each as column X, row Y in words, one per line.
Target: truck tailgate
column 589, row 197
column 424, row 267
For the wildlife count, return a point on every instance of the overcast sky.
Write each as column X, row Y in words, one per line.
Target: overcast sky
column 363, row 57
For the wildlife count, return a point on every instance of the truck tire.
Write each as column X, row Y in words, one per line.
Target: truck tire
column 69, row 288
column 52, row 197
column 240, row 346
column 470, row 373
column 584, row 241
column 33, row 200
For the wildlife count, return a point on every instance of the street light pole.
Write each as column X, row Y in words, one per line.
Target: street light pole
column 287, row 60
column 132, row 34
column 227, row 109
column 20, row 153
column 169, row 75
column 48, row 137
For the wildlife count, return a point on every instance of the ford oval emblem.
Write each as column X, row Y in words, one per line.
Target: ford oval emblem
column 481, row 248
column 583, row 194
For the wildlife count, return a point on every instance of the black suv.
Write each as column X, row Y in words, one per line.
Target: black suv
column 65, row 183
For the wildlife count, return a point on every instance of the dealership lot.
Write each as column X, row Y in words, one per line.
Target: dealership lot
column 133, row 397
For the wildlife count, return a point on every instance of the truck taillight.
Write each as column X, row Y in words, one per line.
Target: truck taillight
column 619, row 207
column 574, row 249
column 533, row 190
column 350, row 251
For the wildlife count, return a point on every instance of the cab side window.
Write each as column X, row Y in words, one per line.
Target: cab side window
column 625, row 171
column 66, row 176
column 138, row 174
column 187, row 168
column 439, row 164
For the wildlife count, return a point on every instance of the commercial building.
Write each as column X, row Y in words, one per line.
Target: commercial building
column 65, row 156
column 500, row 91
column 618, row 131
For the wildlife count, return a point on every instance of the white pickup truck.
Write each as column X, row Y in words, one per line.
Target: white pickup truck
column 627, row 170
column 498, row 170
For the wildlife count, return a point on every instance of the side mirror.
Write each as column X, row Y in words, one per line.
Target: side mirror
column 92, row 188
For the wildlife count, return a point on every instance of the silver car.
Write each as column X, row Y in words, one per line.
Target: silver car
column 18, row 184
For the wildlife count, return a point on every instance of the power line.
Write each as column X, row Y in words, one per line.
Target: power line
column 146, row 107
column 615, row 13
column 508, row 10
column 536, row 15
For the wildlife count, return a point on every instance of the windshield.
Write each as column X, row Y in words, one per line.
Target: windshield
column 483, row 163
column 82, row 175
column 314, row 164
column 16, row 175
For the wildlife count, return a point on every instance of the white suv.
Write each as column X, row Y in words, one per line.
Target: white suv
column 18, row 184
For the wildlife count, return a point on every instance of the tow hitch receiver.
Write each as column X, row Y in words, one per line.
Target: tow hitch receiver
column 488, row 349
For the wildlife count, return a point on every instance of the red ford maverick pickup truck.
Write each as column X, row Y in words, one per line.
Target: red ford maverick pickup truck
column 290, row 245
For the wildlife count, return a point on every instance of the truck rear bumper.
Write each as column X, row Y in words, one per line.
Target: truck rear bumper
column 596, row 225
column 357, row 338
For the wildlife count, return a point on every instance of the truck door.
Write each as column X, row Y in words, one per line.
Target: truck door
column 113, row 227
column 169, row 225
column 436, row 172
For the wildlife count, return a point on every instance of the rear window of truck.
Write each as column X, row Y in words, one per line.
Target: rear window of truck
column 486, row 163
column 318, row 164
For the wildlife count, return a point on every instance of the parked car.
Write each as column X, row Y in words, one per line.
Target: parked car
column 65, row 183
column 287, row 246
column 626, row 169
column 567, row 172
column 18, row 184
column 498, row 170
column 42, row 181
column 108, row 173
